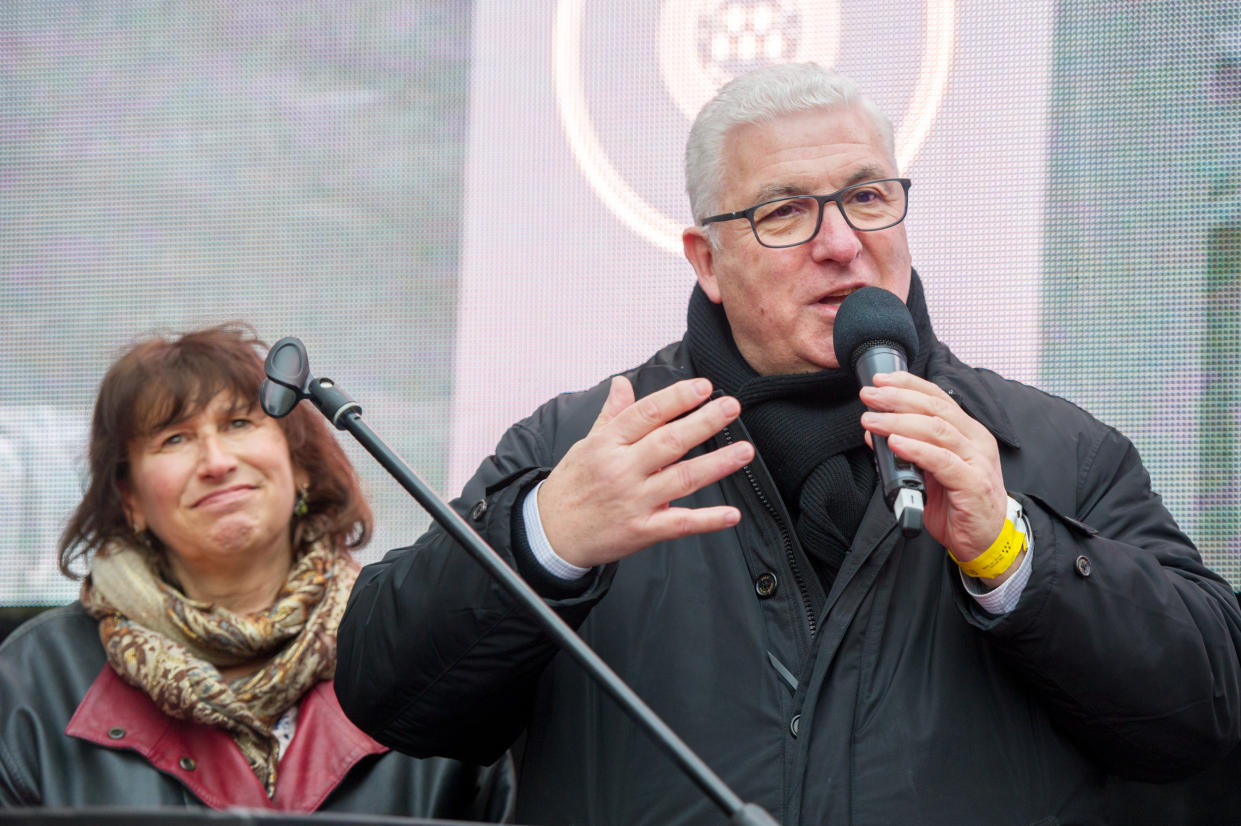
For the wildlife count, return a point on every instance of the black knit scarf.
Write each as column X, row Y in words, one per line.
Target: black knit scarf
column 806, row 427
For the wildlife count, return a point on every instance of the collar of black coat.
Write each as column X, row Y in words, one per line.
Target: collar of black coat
column 970, row 387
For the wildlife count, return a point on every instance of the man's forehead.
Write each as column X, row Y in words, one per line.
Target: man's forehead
column 813, row 151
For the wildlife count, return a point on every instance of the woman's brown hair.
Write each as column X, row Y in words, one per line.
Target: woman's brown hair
column 163, row 379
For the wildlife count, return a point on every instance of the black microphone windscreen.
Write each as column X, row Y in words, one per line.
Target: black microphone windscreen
column 869, row 315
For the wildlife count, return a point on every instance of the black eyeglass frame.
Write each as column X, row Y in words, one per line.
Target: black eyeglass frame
column 822, row 200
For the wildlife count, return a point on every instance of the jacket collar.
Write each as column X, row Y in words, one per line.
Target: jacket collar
column 975, row 397
column 325, row 746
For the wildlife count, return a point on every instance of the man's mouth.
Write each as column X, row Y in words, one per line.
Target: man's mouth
column 835, row 297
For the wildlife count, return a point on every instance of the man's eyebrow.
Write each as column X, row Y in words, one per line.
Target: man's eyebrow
column 866, row 173
column 773, row 191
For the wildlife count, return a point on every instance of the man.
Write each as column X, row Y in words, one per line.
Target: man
column 711, row 522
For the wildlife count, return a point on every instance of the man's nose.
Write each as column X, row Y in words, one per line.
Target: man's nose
column 835, row 241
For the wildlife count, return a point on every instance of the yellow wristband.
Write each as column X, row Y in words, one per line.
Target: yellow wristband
column 1000, row 556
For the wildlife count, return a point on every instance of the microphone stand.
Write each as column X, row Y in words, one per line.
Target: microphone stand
column 289, row 381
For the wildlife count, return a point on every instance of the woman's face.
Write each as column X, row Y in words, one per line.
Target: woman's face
column 217, row 489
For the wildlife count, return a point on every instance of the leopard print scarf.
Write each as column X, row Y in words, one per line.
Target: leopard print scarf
column 170, row 646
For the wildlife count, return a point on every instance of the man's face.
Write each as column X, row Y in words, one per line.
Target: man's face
column 781, row 303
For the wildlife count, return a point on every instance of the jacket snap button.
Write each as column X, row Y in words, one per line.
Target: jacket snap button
column 116, row 733
column 765, row 585
column 187, row 763
column 795, row 724
column 1083, row 565
column 480, row 508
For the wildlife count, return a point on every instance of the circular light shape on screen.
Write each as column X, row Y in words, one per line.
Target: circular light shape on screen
column 932, row 81
column 705, row 43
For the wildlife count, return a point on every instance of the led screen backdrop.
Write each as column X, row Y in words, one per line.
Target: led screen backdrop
column 464, row 209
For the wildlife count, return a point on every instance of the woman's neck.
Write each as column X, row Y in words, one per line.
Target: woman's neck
column 250, row 590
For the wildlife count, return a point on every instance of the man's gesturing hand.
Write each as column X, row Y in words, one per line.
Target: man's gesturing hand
column 609, row 496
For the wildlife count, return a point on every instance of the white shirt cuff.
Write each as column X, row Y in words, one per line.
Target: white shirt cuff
column 540, row 547
column 1004, row 599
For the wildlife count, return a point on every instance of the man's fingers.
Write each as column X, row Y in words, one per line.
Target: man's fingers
column 905, row 404
column 931, row 429
column 947, row 466
column 909, row 381
column 943, row 465
column 893, row 399
column 676, row 523
column 660, row 407
column 685, row 477
column 620, row 396
column 668, row 443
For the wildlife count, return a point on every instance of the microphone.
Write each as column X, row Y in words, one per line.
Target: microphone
column 874, row 333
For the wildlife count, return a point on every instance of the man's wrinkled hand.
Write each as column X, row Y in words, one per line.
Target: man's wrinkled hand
column 610, row 495
column 960, row 460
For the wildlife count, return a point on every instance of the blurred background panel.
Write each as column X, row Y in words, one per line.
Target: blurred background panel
column 165, row 165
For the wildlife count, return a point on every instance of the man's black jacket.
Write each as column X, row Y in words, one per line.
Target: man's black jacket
column 892, row 699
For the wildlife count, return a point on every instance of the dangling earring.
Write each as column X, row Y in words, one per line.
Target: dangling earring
column 141, row 535
column 302, row 506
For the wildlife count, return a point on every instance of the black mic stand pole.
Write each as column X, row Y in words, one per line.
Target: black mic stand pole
column 289, row 381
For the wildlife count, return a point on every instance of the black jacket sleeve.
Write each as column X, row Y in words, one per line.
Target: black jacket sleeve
column 1129, row 638
column 435, row 658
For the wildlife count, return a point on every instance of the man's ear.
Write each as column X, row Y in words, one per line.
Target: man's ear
column 701, row 256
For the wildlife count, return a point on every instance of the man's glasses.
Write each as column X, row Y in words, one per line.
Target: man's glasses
column 787, row 222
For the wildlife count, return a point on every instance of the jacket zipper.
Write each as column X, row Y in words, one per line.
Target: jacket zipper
column 785, row 538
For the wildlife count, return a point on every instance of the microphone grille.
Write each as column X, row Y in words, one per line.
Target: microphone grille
column 871, row 315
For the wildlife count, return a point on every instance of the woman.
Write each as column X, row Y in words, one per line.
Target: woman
column 195, row 668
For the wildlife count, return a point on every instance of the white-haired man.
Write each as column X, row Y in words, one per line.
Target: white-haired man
column 710, row 520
